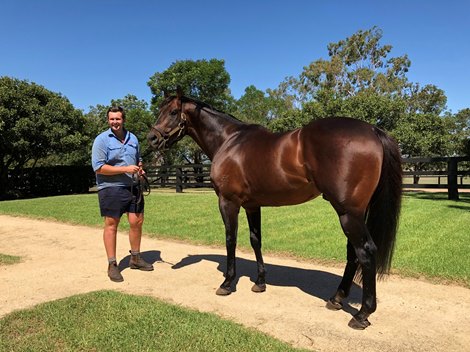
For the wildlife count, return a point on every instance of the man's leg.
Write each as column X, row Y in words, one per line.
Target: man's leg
column 109, row 235
column 136, row 221
column 109, row 239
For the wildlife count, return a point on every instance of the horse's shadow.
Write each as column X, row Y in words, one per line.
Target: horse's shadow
column 149, row 256
column 316, row 283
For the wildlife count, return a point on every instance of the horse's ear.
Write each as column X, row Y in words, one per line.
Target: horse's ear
column 179, row 92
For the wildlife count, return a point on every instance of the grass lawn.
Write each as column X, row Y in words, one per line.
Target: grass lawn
column 112, row 321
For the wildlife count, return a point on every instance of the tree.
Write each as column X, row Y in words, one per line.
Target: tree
column 358, row 80
column 36, row 123
column 458, row 127
column 422, row 135
column 357, row 64
column 427, row 100
column 290, row 120
column 253, row 106
column 204, row 80
column 95, row 121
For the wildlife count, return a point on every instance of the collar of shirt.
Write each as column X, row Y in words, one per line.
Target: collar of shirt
column 126, row 138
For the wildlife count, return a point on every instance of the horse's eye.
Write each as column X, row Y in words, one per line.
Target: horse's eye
column 174, row 112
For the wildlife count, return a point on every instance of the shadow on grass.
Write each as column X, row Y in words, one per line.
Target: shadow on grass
column 464, row 197
column 460, row 207
column 316, row 283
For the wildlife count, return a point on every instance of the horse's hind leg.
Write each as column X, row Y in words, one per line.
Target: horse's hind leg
column 335, row 302
column 356, row 231
column 254, row 223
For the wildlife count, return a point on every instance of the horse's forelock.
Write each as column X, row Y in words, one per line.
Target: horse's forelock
column 184, row 99
column 167, row 100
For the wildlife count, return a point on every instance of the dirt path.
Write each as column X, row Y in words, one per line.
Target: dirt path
column 62, row 260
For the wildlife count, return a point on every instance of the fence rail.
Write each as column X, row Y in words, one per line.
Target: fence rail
column 451, row 173
column 180, row 176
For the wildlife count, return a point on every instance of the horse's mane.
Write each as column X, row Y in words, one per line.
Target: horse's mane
column 201, row 105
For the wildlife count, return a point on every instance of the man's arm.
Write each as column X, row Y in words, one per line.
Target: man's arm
column 116, row 170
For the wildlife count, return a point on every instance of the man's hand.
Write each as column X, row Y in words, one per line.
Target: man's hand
column 133, row 169
column 141, row 170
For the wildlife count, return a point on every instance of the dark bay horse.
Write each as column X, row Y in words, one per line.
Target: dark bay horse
column 354, row 165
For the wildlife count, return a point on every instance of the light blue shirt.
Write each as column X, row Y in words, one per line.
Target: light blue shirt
column 108, row 149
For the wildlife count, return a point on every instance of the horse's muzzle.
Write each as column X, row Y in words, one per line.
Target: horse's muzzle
column 157, row 140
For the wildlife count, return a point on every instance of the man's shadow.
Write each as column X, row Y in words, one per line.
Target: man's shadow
column 316, row 283
column 149, row 256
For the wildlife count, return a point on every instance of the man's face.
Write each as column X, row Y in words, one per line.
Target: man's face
column 115, row 121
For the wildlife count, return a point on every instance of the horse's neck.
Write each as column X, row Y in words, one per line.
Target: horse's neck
column 210, row 129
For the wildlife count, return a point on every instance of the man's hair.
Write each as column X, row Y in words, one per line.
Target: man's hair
column 116, row 109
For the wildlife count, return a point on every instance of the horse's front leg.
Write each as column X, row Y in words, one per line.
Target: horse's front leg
column 254, row 223
column 229, row 211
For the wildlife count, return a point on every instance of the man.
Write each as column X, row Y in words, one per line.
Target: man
column 116, row 162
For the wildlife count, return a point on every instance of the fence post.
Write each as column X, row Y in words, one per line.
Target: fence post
column 163, row 175
column 179, row 180
column 452, row 189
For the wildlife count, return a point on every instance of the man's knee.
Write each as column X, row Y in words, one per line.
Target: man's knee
column 136, row 219
column 111, row 223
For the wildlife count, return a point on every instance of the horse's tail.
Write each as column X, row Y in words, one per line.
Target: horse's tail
column 384, row 208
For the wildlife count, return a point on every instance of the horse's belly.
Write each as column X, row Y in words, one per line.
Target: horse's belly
column 279, row 197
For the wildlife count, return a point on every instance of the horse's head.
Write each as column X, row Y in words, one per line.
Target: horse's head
column 171, row 123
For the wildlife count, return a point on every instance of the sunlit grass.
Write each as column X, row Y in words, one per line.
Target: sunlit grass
column 111, row 321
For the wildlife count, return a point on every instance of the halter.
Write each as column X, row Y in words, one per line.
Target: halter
column 179, row 129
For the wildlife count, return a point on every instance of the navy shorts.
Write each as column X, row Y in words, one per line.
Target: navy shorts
column 115, row 201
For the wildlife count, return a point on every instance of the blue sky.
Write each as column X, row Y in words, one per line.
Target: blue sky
column 92, row 51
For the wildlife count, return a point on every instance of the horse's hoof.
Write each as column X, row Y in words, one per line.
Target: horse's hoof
column 333, row 305
column 358, row 325
column 222, row 291
column 258, row 288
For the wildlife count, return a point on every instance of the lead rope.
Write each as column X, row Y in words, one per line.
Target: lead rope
column 142, row 189
column 144, row 186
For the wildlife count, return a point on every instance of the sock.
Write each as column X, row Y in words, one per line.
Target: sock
column 134, row 252
column 112, row 260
